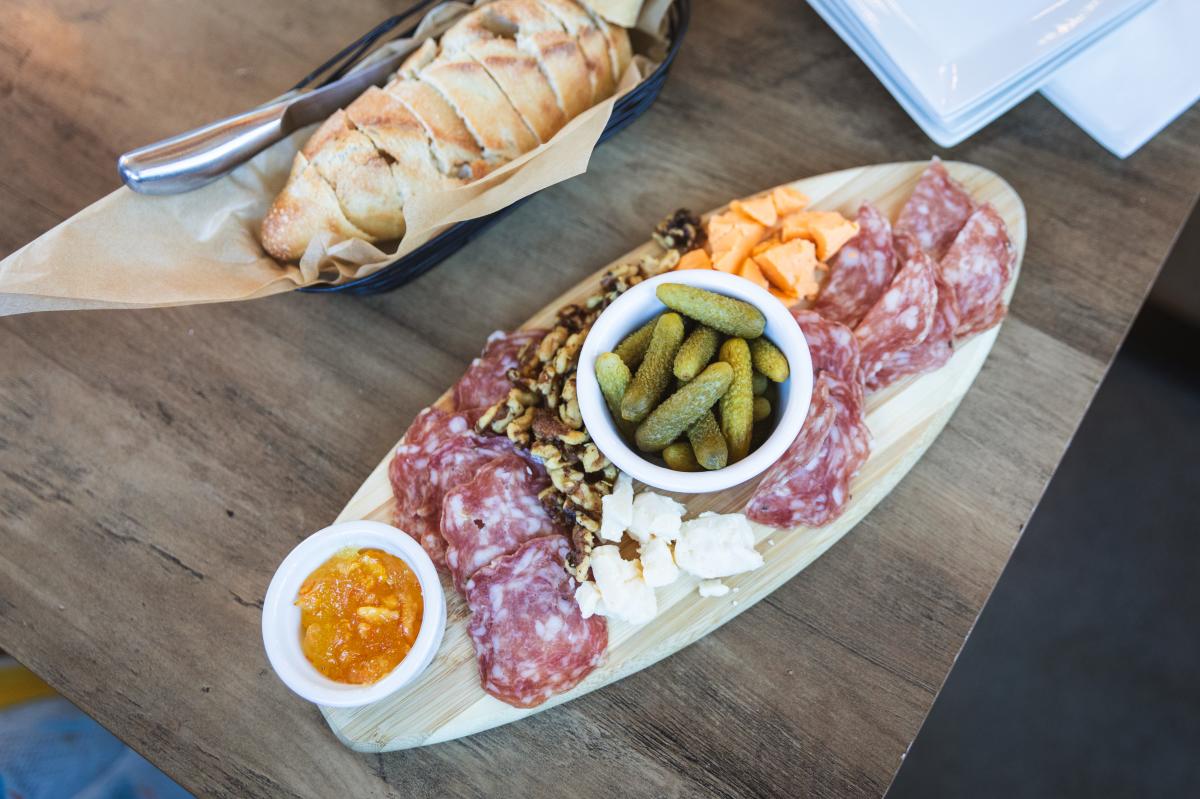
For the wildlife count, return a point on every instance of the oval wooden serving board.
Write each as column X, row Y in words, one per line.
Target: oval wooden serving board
column 447, row 702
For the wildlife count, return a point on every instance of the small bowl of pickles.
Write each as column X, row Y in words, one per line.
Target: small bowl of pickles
column 694, row 381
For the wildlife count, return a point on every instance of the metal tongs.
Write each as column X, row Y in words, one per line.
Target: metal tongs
column 198, row 157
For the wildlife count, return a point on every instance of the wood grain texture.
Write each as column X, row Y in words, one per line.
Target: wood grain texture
column 447, row 701
column 155, row 466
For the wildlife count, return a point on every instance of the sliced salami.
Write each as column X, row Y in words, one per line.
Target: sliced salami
column 977, row 267
column 902, row 317
column 831, row 345
column 808, row 487
column 936, row 211
column 773, row 497
column 439, row 449
column 493, row 514
column 486, row 380
column 931, row 353
column 860, row 271
column 530, row 638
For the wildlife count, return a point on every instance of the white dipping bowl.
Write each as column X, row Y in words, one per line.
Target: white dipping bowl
column 636, row 307
column 281, row 617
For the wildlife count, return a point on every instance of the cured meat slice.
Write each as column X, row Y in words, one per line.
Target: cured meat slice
column 977, row 267
column 811, row 485
column 455, row 462
column 902, row 317
column 936, row 210
column 931, row 353
column 431, row 429
column 438, row 447
column 860, row 271
column 831, row 345
column 530, row 638
column 493, row 514
column 772, row 499
column 936, row 348
column 486, row 380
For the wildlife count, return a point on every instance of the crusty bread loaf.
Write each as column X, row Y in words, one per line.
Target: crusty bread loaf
column 504, row 78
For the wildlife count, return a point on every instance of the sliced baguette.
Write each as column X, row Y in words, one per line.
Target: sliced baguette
column 455, row 149
column 481, row 104
column 306, row 208
column 592, row 41
column 369, row 192
column 521, row 79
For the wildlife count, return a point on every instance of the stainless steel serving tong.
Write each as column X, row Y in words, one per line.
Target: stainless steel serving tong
column 193, row 159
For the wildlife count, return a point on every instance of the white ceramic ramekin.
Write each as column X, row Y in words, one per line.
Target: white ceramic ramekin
column 636, row 307
column 281, row 617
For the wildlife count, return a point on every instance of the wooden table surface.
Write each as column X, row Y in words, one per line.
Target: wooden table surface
column 155, row 466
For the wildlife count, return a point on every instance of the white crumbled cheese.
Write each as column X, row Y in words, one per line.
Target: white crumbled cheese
column 712, row 588
column 623, row 591
column 587, row 596
column 717, row 545
column 616, row 509
column 658, row 564
column 655, row 515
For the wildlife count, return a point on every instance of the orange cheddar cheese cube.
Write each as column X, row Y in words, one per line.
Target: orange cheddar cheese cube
column 694, row 259
column 829, row 230
column 761, row 209
column 749, row 270
column 788, row 200
column 731, row 238
column 766, row 244
column 791, row 267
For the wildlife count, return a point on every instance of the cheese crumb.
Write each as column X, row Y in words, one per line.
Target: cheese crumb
column 624, row 593
column 616, row 509
column 712, row 588
column 587, row 596
column 655, row 515
column 717, row 545
column 658, row 564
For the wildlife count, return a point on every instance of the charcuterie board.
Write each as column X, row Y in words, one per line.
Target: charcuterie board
column 904, row 419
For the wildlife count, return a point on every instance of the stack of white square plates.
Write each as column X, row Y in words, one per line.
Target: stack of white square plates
column 955, row 66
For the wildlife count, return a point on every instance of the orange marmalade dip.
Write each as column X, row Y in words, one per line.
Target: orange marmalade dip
column 360, row 612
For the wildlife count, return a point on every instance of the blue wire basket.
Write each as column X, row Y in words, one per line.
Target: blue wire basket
column 445, row 244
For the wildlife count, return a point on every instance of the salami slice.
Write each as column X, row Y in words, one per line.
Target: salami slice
column 860, row 271
column 977, row 267
column 486, row 380
column 493, row 514
column 902, row 317
column 831, row 345
column 439, row 449
column 811, row 486
column 773, row 497
column 936, row 211
column 530, row 638
column 931, row 353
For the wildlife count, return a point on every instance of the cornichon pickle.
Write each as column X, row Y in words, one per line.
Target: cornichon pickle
column 762, row 408
column 613, row 376
column 654, row 375
column 678, row 411
column 633, row 347
column 697, row 350
column 731, row 317
column 737, row 404
column 758, row 383
column 769, row 360
column 708, row 444
column 679, row 456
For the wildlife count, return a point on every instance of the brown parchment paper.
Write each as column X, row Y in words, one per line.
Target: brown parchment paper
column 129, row 250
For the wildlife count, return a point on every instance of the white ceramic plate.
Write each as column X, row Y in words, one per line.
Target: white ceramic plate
column 1129, row 86
column 954, row 67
